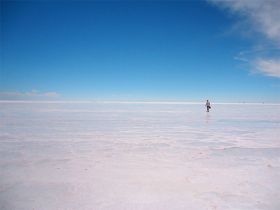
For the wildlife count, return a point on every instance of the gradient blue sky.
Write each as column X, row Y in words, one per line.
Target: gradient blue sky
column 161, row 50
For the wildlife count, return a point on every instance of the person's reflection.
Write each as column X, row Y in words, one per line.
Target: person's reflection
column 207, row 117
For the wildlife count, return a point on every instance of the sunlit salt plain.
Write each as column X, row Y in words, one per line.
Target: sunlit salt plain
column 118, row 156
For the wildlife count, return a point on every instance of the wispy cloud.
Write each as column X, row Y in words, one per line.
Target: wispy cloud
column 262, row 17
column 268, row 67
column 34, row 94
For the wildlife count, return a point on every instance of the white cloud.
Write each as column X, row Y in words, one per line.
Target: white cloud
column 34, row 94
column 262, row 16
column 268, row 67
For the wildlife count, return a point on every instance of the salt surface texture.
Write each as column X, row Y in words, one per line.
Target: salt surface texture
column 99, row 156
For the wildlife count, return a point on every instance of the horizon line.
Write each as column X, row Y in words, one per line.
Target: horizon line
column 136, row 102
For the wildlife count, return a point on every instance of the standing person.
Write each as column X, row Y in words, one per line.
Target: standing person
column 208, row 106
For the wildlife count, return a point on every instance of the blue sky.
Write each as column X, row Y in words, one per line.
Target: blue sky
column 138, row 50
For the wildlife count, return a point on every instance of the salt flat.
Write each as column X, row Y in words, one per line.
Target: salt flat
column 121, row 156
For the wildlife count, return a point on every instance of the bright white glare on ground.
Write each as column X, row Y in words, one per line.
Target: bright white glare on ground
column 105, row 156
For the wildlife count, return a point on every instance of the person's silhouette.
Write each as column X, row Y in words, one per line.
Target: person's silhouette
column 208, row 106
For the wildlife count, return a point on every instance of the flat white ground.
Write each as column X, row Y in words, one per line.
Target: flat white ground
column 97, row 156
